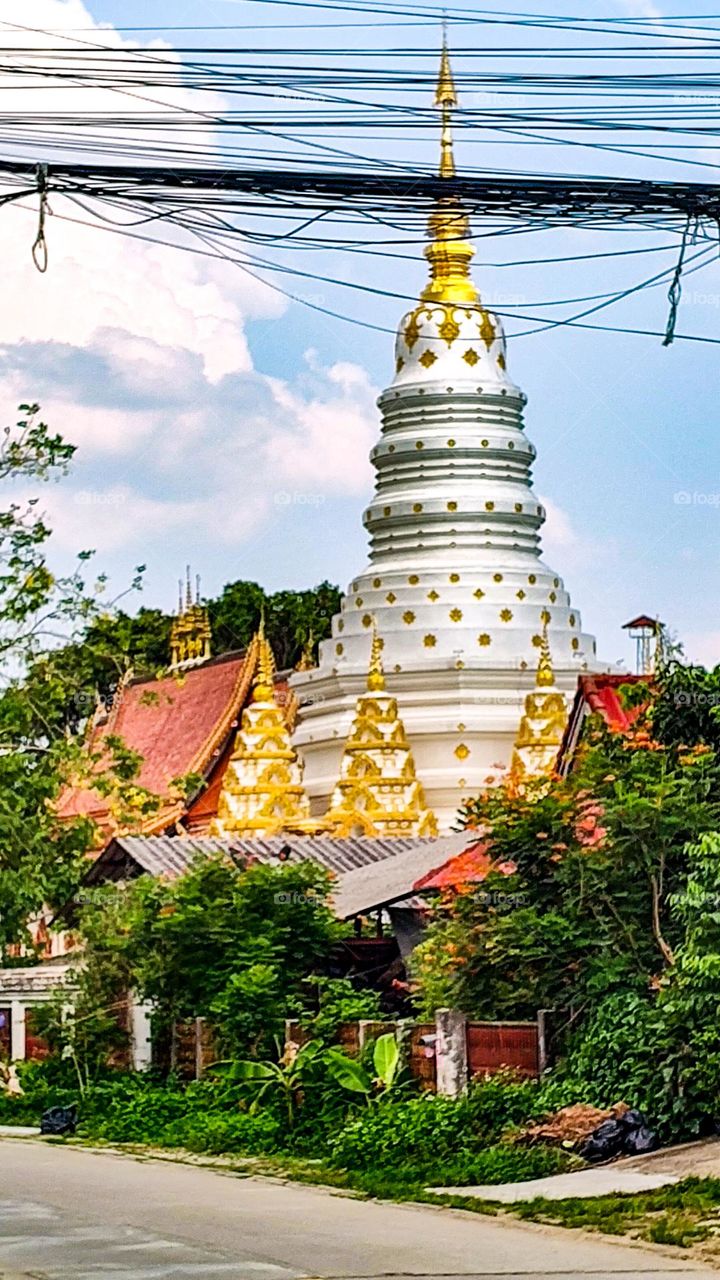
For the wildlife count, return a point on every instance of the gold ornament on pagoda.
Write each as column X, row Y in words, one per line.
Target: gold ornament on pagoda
column 378, row 792
column 543, row 723
column 263, row 792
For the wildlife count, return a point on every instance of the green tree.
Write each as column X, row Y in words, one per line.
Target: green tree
column 227, row 943
column 40, row 858
column 596, row 859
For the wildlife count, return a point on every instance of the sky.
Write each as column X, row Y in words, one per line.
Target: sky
column 221, row 424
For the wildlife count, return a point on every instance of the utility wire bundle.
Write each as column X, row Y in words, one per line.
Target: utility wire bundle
column 238, row 146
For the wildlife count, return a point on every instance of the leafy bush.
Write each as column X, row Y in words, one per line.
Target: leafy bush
column 331, row 1001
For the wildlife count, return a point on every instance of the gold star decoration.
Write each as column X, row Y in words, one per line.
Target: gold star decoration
column 408, row 617
column 471, row 357
column 483, row 640
column 427, row 359
column 430, row 641
column 506, row 615
column 461, row 751
column 456, row 615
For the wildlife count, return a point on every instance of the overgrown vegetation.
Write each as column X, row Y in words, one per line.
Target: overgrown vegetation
column 605, row 903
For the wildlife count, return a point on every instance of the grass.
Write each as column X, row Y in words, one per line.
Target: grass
column 684, row 1214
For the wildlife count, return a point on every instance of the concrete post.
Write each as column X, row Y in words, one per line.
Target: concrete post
column 18, row 1049
column 451, row 1053
column 140, row 1035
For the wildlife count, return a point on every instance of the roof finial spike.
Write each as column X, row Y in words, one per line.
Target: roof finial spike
column 264, row 685
column 181, row 606
column 446, row 98
column 376, row 675
column 545, row 677
column 449, row 252
column 197, row 588
column 188, row 588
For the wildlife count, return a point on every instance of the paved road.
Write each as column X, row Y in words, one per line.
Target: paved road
column 71, row 1214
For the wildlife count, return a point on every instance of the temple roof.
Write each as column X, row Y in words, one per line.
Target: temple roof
column 596, row 694
column 179, row 724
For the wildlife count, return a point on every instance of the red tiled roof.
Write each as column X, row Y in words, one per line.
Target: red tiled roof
column 469, row 867
column 597, row 694
column 179, row 724
column 602, row 697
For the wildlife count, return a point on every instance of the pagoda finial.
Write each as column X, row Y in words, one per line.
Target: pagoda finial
column 376, row 675
column 545, row 676
column 449, row 254
column 264, row 686
column 543, row 724
column 190, row 634
column 446, row 98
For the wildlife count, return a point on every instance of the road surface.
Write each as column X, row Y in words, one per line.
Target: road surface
column 71, row 1214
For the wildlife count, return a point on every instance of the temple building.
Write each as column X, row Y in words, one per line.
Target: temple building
column 455, row 582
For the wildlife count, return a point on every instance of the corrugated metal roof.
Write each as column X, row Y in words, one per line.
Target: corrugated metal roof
column 380, row 884
column 170, row 856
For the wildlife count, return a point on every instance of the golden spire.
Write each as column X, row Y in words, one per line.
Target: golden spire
column 545, row 676
column 448, row 253
column 376, row 675
column 446, row 98
column 378, row 792
column 190, row 634
column 262, row 790
column 264, row 684
column 543, row 724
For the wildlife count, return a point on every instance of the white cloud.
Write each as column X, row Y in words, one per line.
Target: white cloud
column 325, row 441
column 98, row 280
column 561, row 539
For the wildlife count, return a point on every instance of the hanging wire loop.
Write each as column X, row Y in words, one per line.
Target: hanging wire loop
column 40, row 249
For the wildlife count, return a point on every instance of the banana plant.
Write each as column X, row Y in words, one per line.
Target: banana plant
column 351, row 1075
column 260, row 1079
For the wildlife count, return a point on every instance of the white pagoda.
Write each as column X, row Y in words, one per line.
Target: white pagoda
column 455, row 582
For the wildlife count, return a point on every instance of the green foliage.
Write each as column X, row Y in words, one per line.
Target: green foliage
column 438, row 1139
column 678, row 1215
column 40, row 858
column 233, row 945
column 326, row 1003
column 285, row 1079
column 294, row 620
column 351, row 1074
column 598, row 857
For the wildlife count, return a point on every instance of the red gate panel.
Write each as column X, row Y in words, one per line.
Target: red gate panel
column 494, row 1045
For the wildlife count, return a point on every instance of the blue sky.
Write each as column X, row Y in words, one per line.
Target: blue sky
column 221, row 424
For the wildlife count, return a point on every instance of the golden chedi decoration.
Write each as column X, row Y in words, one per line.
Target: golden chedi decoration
column 263, row 791
column 190, row 635
column 543, row 724
column 378, row 792
column 449, row 252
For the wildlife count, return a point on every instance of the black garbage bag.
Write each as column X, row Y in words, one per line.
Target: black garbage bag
column 59, row 1121
column 628, row 1135
column 605, row 1142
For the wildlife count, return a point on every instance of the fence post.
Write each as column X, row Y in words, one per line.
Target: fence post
column 451, row 1052
column 542, row 1040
